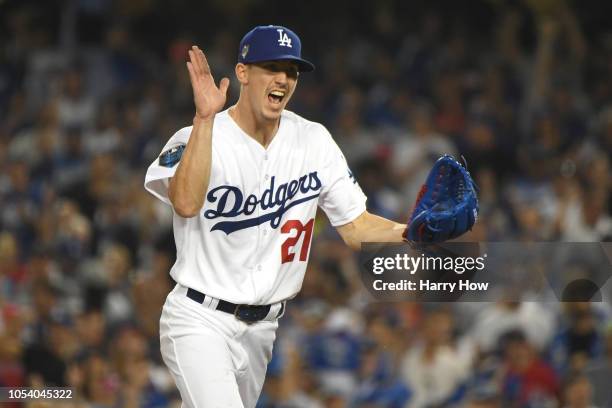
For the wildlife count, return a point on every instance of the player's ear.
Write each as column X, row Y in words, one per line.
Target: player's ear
column 242, row 73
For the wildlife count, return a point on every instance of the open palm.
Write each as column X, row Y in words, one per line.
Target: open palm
column 208, row 98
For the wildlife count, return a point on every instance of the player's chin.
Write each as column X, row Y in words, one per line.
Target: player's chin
column 273, row 112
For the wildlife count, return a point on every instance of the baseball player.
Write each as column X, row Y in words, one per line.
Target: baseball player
column 244, row 184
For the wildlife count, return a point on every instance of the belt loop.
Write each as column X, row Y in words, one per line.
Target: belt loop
column 272, row 313
column 276, row 311
column 212, row 302
column 283, row 307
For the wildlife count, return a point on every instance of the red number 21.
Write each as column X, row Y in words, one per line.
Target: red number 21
column 290, row 242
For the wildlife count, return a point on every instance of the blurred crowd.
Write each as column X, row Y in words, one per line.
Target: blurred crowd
column 90, row 91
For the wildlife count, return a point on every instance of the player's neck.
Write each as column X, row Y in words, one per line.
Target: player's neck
column 262, row 131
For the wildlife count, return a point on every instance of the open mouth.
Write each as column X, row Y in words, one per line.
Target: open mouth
column 276, row 97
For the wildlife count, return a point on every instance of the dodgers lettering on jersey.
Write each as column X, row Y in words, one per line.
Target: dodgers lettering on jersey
column 251, row 240
column 279, row 199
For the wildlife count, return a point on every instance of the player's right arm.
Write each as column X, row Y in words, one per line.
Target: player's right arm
column 188, row 186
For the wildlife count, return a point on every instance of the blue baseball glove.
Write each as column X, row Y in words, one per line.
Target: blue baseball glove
column 447, row 205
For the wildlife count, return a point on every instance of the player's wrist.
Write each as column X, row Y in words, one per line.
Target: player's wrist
column 203, row 120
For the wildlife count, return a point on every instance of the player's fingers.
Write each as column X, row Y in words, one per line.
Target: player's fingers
column 204, row 62
column 223, row 85
column 192, row 61
column 192, row 74
column 195, row 60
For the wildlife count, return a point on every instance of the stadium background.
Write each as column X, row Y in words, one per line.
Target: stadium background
column 90, row 90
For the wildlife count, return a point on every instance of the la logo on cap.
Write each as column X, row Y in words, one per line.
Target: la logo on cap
column 283, row 38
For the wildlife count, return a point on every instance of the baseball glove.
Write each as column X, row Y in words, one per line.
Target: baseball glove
column 447, row 205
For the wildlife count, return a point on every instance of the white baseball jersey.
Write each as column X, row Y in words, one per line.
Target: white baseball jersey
column 250, row 242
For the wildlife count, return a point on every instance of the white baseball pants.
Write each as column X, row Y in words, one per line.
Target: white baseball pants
column 216, row 360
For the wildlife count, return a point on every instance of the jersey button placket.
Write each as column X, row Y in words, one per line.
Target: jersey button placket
column 261, row 228
column 265, row 184
column 256, row 267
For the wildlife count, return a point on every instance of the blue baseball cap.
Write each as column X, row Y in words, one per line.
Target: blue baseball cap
column 270, row 43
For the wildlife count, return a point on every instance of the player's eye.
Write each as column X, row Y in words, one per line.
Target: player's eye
column 270, row 67
column 292, row 72
column 290, row 69
column 277, row 68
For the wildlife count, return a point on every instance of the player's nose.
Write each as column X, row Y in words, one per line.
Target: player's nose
column 281, row 77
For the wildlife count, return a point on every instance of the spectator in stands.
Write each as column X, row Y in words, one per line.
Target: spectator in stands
column 527, row 379
column 436, row 367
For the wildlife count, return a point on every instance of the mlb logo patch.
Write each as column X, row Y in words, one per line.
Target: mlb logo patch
column 172, row 156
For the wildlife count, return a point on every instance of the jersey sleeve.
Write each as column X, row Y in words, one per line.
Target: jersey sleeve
column 164, row 166
column 341, row 196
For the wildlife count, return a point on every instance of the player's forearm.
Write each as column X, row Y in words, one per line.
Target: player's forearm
column 371, row 228
column 188, row 187
column 379, row 229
